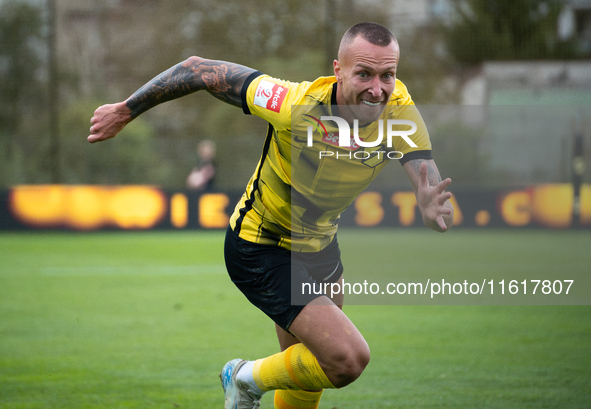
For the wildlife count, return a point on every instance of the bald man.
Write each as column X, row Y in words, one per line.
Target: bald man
column 281, row 238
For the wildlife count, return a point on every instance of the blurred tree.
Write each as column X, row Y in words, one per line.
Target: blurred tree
column 107, row 49
column 507, row 30
column 21, row 98
column 282, row 38
column 424, row 66
column 132, row 158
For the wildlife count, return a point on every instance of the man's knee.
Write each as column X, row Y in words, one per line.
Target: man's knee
column 348, row 365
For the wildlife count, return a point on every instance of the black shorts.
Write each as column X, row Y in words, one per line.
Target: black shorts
column 277, row 281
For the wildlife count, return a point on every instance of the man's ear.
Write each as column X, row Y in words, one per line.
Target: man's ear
column 337, row 70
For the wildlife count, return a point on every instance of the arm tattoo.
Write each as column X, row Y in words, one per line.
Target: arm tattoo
column 221, row 79
column 432, row 172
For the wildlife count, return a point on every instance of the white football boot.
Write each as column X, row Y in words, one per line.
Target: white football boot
column 237, row 395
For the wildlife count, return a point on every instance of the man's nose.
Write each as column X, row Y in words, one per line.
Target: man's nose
column 376, row 87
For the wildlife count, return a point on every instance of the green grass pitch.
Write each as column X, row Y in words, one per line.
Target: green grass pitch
column 146, row 320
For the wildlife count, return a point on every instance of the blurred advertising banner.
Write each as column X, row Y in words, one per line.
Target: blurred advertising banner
column 139, row 207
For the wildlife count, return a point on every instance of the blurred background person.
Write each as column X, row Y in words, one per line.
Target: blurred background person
column 202, row 176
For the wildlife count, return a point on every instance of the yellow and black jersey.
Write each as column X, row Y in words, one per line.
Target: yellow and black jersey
column 306, row 176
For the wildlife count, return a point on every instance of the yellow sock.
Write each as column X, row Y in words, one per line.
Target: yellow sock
column 294, row 368
column 291, row 399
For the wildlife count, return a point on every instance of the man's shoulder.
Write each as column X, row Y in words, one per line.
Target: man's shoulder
column 312, row 92
column 268, row 89
column 272, row 99
column 401, row 96
column 320, row 90
column 324, row 82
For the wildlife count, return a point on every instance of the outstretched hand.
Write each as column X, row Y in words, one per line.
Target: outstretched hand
column 432, row 200
column 108, row 121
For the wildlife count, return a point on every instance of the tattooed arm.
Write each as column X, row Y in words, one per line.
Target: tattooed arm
column 221, row 79
column 432, row 199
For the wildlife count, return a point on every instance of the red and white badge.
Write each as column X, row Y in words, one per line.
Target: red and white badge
column 270, row 95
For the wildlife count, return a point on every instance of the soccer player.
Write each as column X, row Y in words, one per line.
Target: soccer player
column 283, row 231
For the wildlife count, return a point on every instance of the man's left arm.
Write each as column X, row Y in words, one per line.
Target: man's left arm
column 432, row 199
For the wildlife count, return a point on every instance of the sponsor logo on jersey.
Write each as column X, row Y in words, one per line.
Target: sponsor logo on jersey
column 332, row 138
column 270, row 95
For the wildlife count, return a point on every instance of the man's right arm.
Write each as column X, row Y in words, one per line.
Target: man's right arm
column 221, row 79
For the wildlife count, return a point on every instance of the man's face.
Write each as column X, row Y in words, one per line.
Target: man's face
column 367, row 76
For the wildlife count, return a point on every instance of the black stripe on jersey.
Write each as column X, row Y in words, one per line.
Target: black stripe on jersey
column 333, row 96
column 244, row 90
column 416, row 155
column 255, row 184
column 333, row 100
